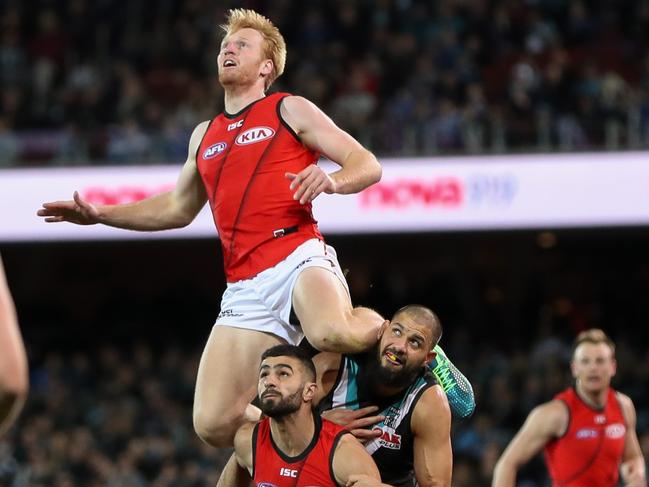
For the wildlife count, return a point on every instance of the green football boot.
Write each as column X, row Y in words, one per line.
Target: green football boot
column 457, row 387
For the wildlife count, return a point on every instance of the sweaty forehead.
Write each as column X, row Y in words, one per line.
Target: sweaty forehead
column 250, row 35
column 411, row 325
column 593, row 350
column 279, row 362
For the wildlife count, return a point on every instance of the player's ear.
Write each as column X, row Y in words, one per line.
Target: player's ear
column 308, row 393
column 573, row 369
column 267, row 68
column 430, row 356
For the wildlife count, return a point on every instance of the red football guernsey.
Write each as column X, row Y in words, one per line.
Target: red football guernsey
column 242, row 160
column 313, row 467
column 590, row 452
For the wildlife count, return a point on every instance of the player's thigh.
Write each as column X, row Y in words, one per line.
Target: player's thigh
column 321, row 299
column 227, row 373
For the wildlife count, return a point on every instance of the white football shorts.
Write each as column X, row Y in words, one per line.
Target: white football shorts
column 264, row 302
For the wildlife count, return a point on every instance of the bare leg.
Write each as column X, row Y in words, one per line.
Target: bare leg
column 227, row 382
column 328, row 319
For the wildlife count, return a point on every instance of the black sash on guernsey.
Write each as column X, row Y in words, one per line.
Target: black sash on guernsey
column 393, row 451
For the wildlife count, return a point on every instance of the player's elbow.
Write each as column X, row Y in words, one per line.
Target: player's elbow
column 179, row 216
column 13, row 391
column 505, row 468
column 14, row 381
column 181, row 220
column 435, row 481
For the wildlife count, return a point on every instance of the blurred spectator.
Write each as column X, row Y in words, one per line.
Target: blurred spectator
column 494, row 76
column 96, row 418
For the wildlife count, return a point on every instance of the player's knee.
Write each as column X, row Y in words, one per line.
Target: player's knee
column 216, row 429
column 327, row 339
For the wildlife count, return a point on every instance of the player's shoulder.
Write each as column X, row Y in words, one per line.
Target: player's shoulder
column 433, row 396
column 243, row 436
column 431, row 407
column 298, row 106
column 347, row 443
column 623, row 399
column 552, row 416
column 555, row 408
column 626, row 404
column 201, row 128
column 199, row 132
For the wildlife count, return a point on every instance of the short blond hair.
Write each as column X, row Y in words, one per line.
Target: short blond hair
column 274, row 44
column 594, row 336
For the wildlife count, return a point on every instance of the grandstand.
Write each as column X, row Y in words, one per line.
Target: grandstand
column 114, row 326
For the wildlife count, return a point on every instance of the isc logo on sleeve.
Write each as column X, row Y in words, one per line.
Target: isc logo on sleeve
column 235, row 125
column 287, row 472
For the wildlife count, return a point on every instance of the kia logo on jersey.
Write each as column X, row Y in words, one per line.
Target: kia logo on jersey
column 255, row 134
column 214, row 150
column 615, row 431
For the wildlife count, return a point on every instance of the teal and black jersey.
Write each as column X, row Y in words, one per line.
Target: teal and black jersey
column 393, row 450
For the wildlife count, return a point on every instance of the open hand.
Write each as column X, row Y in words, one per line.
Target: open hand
column 77, row 211
column 309, row 183
column 356, row 421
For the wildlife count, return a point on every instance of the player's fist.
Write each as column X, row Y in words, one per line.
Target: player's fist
column 309, row 183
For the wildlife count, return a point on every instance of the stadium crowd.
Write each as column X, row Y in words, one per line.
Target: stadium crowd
column 113, row 374
column 122, row 416
column 125, row 82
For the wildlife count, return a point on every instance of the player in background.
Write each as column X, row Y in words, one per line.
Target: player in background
column 14, row 380
column 587, row 432
column 293, row 446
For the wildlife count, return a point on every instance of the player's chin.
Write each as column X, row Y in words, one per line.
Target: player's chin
column 227, row 78
column 594, row 384
column 271, row 399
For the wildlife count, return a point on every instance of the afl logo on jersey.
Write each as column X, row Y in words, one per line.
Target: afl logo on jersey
column 586, row 434
column 255, row 134
column 265, row 484
column 615, row 431
column 214, row 150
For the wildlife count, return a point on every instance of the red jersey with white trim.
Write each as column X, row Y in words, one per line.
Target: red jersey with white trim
column 590, row 452
column 242, row 161
column 313, row 467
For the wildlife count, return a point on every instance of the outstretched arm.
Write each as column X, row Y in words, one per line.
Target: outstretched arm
column 173, row 209
column 359, row 167
column 633, row 465
column 544, row 423
column 431, row 427
column 14, row 381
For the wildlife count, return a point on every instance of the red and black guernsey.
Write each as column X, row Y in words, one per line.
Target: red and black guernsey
column 313, row 467
column 590, row 452
column 242, row 161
